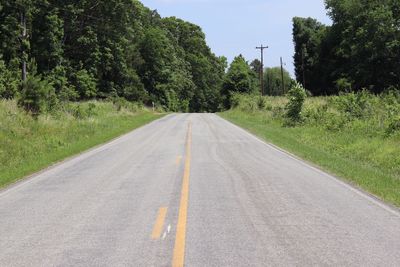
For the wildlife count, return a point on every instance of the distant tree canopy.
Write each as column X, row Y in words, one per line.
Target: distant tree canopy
column 86, row 49
column 273, row 81
column 98, row 49
column 240, row 78
column 360, row 50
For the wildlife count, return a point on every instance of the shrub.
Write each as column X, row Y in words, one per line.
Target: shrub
column 343, row 85
column 278, row 112
column 235, row 100
column 37, row 95
column 82, row 111
column 64, row 90
column 85, row 84
column 9, row 81
column 355, row 105
column 261, row 103
column 121, row 103
column 134, row 90
column 394, row 126
column 297, row 96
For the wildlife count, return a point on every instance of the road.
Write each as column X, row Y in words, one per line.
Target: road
column 192, row 189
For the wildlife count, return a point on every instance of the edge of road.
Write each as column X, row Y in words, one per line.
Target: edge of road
column 26, row 179
column 341, row 181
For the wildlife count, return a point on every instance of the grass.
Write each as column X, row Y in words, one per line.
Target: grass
column 28, row 145
column 360, row 150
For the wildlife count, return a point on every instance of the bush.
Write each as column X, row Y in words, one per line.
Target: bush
column 64, row 90
column 9, row 81
column 134, row 90
column 355, row 105
column 343, row 85
column 235, row 100
column 85, row 84
column 297, row 96
column 37, row 95
column 82, row 110
column 394, row 126
column 121, row 103
column 261, row 103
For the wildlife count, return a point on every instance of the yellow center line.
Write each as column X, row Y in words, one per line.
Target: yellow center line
column 179, row 249
column 158, row 226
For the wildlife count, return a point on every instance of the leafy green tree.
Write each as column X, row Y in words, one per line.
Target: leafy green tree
column 256, row 66
column 85, row 84
column 206, row 69
column 360, row 50
column 312, row 55
column 297, row 96
column 158, row 55
column 100, row 49
column 9, row 80
column 369, row 47
column 46, row 36
column 273, row 81
column 239, row 79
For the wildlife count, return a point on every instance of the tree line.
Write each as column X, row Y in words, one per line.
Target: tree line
column 360, row 50
column 77, row 50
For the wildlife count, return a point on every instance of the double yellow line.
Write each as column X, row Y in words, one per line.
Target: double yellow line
column 179, row 249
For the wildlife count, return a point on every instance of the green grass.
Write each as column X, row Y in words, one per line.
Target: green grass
column 28, row 145
column 358, row 152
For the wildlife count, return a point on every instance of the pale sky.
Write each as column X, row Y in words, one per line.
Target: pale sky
column 234, row 27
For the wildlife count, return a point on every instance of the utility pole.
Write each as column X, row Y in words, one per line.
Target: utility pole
column 262, row 67
column 24, row 37
column 283, row 81
column 303, row 67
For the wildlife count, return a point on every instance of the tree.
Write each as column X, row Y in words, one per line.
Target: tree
column 312, row 56
column 37, row 95
column 273, row 81
column 239, row 79
column 256, row 66
column 369, row 46
column 9, row 79
column 206, row 69
column 297, row 96
column 116, row 48
column 360, row 50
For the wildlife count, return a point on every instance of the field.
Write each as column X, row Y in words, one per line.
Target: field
column 28, row 144
column 354, row 136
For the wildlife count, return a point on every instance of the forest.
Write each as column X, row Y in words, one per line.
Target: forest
column 80, row 50
column 55, row 51
column 360, row 50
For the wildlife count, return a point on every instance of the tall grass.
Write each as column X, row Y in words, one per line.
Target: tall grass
column 355, row 136
column 28, row 144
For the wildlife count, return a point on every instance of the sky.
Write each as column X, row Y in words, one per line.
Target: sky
column 234, row 27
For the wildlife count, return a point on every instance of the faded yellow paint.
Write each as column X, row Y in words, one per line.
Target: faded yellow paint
column 179, row 249
column 158, row 226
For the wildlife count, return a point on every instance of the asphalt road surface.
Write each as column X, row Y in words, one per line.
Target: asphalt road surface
column 192, row 189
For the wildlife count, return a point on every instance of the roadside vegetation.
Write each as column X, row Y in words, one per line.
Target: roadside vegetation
column 29, row 143
column 347, row 119
column 95, row 49
column 69, row 80
column 355, row 136
column 361, row 49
